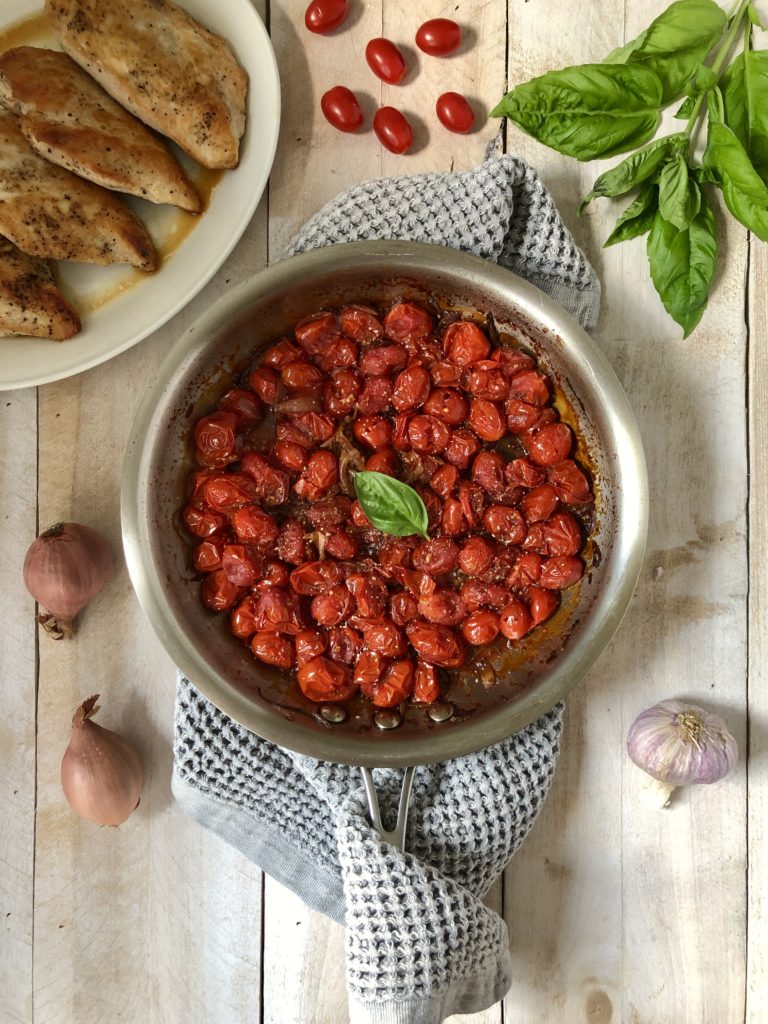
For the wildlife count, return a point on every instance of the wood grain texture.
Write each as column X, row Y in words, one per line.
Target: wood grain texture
column 18, row 486
column 611, row 905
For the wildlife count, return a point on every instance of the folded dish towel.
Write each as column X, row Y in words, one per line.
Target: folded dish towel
column 421, row 945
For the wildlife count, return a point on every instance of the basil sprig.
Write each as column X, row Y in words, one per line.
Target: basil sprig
column 596, row 110
column 392, row 506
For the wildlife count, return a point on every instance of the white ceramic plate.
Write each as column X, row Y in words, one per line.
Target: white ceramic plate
column 118, row 305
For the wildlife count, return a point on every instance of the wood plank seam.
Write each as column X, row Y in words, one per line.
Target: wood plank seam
column 747, row 415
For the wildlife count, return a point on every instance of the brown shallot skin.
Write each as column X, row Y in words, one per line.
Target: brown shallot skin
column 283, row 547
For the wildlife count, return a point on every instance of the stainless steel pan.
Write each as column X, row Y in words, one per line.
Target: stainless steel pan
column 221, row 343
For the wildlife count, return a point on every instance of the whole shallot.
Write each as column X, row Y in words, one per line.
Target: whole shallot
column 101, row 773
column 63, row 569
column 680, row 744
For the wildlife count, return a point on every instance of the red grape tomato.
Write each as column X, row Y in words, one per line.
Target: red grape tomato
column 325, row 15
column 385, row 60
column 438, row 37
column 454, row 112
column 393, row 129
column 341, row 109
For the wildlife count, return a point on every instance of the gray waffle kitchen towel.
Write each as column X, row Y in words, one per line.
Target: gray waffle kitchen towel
column 421, row 944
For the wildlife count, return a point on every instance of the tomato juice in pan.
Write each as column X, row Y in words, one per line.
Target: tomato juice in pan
column 284, row 549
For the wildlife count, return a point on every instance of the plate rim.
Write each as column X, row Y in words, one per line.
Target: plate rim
column 39, row 379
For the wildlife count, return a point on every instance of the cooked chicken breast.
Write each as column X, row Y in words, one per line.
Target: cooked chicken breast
column 164, row 67
column 71, row 121
column 49, row 212
column 30, row 303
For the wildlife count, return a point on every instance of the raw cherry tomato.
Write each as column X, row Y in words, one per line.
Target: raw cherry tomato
column 385, row 60
column 562, row 572
column 426, row 688
column 393, row 129
column 481, row 627
column 543, row 604
column 341, row 109
column 438, row 37
column 454, row 112
column 325, row 15
column 465, row 342
column 322, row 680
column 273, row 649
column 551, row 444
column 515, row 620
column 437, row 645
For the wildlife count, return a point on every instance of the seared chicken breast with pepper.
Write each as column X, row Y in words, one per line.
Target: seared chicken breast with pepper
column 70, row 120
column 163, row 66
column 30, row 302
column 49, row 212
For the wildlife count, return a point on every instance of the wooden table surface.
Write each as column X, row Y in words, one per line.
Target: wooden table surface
column 616, row 912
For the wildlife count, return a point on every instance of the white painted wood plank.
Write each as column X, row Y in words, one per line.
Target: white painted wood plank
column 18, row 486
column 164, row 917
column 612, row 908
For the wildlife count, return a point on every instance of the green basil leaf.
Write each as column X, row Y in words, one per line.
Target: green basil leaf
column 676, row 43
column 392, row 506
column 590, row 111
column 754, row 17
column 683, row 264
column 685, row 109
column 679, row 195
column 622, row 53
column 744, row 191
column 634, row 169
column 637, row 218
column 745, row 99
column 703, row 78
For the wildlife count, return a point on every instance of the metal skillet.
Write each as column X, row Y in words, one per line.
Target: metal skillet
column 504, row 690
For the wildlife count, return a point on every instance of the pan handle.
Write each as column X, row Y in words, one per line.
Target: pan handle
column 395, row 836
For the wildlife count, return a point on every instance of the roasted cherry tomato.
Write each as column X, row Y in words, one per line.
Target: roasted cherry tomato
column 255, row 526
column 462, row 448
column 384, row 461
column 385, row 638
column 393, row 129
column 437, row 645
column 333, row 606
column 569, row 482
column 452, row 519
column 551, row 444
column 339, row 544
column 207, row 555
column 280, row 354
column 361, row 323
column 385, row 60
column 341, row 391
column 316, row 577
column 340, row 108
column 563, row 534
column 318, row 476
column 515, row 620
column 325, row 15
column 343, row 645
column 486, row 419
column 488, row 472
column 475, row 556
column 375, row 396
column 322, row 680
column 481, row 627
column 310, row 643
column 530, row 386
column 216, row 439
column 426, row 688
column 394, row 687
column 447, row 405
column 523, row 473
column 561, row 572
column 408, row 323
column 525, row 571
column 368, row 669
column 478, row 594
column 438, row 37
column 539, row 503
column 505, row 523
column 273, row 649
column 411, row 389
column 485, row 379
column 291, row 545
column 444, row 606
column 267, row 384
column 465, row 342
column 428, row 434
column 543, row 604
column 243, row 403
column 240, row 565
column 436, row 556
column 203, row 523
column 403, row 608
column 373, row 431
column 455, row 113
column 218, row 592
column 370, row 594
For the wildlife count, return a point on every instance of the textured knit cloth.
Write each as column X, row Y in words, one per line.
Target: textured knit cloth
column 420, row 945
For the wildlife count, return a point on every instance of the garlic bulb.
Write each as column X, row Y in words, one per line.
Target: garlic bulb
column 680, row 744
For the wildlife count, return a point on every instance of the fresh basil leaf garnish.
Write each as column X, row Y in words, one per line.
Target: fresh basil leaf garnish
column 588, row 111
column 392, row 506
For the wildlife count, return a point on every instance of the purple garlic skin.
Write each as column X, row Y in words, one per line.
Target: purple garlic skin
column 681, row 744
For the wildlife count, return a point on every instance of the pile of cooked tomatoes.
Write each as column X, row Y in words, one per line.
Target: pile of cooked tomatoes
column 285, row 549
